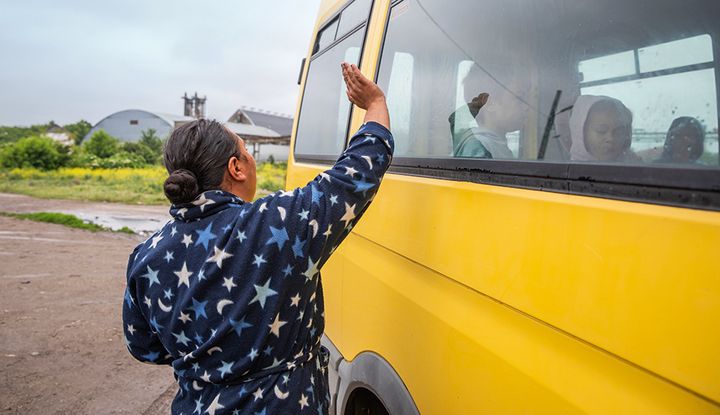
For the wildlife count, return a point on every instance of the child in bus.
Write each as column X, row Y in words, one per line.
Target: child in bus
column 601, row 130
column 684, row 143
column 495, row 107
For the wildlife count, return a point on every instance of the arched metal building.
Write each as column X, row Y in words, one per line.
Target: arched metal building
column 128, row 125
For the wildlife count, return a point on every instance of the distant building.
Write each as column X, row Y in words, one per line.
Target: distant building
column 280, row 123
column 265, row 133
column 277, row 144
column 59, row 134
column 128, row 125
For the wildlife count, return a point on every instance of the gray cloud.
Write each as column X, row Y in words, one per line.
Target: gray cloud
column 81, row 59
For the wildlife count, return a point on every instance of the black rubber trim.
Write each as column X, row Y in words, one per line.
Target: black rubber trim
column 698, row 189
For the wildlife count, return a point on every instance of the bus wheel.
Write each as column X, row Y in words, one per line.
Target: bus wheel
column 364, row 402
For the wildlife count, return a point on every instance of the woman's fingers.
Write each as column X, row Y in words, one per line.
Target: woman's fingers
column 360, row 90
column 356, row 76
column 350, row 78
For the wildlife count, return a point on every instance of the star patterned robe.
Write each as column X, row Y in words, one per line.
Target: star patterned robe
column 229, row 294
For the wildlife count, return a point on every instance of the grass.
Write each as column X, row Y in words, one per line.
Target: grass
column 70, row 221
column 141, row 186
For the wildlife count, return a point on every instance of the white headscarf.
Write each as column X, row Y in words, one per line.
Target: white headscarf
column 579, row 115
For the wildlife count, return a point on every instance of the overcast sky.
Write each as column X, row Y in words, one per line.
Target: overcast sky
column 79, row 59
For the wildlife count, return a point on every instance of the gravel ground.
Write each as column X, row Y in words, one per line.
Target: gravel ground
column 61, row 341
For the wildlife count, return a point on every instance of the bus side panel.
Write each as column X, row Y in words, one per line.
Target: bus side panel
column 638, row 280
column 461, row 352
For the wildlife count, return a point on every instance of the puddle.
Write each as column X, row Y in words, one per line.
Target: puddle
column 141, row 225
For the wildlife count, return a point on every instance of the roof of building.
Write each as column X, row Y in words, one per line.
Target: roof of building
column 172, row 118
column 251, row 130
column 280, row 123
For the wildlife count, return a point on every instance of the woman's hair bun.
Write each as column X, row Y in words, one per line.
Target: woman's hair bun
column 181, row 187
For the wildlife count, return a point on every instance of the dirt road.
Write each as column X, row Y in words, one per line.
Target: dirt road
column 61, row 341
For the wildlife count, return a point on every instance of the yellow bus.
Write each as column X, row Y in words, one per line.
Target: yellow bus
column 545, row 240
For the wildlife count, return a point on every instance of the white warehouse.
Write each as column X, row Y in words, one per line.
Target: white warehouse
column 128, row 125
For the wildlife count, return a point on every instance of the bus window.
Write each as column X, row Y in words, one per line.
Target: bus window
column 399, row 92
column 324, row 114
column 354, row 14
column 325, row 110
column 563, row 81
column 671, row 85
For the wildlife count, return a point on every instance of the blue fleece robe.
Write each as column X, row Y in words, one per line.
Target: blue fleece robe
column 229, row 293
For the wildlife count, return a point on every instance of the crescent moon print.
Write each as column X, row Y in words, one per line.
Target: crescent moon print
column 315, row 226
column 213, row 350
column 280, row 394
column 163, row 307
column 221, row 304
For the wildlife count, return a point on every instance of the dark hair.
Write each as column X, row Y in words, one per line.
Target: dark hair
column 677, row 124
column 196, row 156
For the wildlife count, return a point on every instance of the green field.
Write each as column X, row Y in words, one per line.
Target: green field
column 133, row 186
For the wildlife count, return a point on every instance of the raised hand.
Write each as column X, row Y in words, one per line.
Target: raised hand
column 366, row 95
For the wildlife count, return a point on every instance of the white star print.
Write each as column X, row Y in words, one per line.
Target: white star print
column 187, row 240
column 295, row 300
column 131, row 329
column 258, row 394
column 324, row 176
column 169, row 256
column 183, row 276
column 288, row 193
column 259, row 260
column 349, row 213
column 304, row 214
column 262, row 292
column 155, row 241
column 275, row 326
column 311, row 270
column 184, row 317
column 253, row 354
column 203, row 202
column 173, row 232
column 219, row 256
column 229, row 284
column 147, row 301
column 350, row 171
column 328, row 232
column 303, row 401
column 240, row 236
column 333, row 200
column 205, row 377
column 215, row 404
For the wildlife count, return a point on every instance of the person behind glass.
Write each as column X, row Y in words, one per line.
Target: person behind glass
column 495, row 106
column 601, row 130
column 684, row 142
column 229, row 291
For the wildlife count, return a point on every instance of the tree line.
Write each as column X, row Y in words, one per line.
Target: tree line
column 30, row 147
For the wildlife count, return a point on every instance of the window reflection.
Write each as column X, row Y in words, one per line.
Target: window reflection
column 554, row 80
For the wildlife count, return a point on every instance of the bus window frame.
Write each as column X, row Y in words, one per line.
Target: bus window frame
column 688, row 187
column 324, row 158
